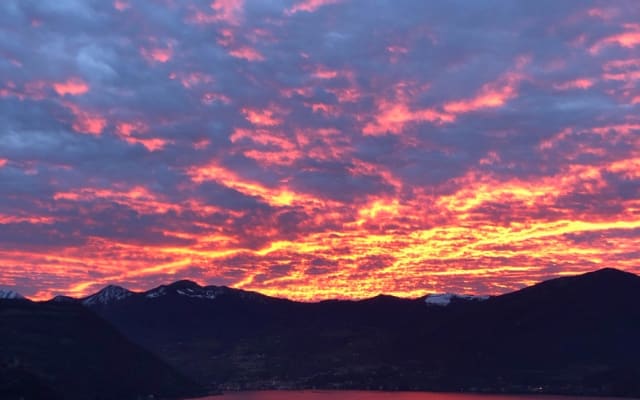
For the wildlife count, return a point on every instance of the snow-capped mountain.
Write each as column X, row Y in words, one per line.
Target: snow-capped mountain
column 7, row 294
column 112, row 293
column 63, row 299
column 187, row 289
column 444, row 299
column 109, row 294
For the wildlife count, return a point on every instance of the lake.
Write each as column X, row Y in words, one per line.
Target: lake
column 364, row 395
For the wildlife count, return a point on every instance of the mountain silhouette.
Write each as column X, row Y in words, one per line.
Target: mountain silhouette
column 572, row 335
column 61, row 350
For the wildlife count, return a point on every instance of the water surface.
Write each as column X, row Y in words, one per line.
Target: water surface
column 368, row 395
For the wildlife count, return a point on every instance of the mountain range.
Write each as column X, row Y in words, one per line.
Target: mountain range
column 571, row 335
column 65, row 351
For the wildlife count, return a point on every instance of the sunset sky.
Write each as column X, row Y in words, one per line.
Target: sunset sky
column 318, row 148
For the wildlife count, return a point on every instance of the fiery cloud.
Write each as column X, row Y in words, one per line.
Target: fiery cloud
column 318, row 148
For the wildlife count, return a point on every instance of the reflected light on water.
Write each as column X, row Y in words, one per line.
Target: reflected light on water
column 370, row 395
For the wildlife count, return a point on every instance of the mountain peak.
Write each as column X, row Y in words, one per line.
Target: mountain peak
column 184, row 284
column 7, row 294
column 107, row 295
column 63, row 299
column 611, row 272
column 186, row 288
column 602, row 277
column 444, row 299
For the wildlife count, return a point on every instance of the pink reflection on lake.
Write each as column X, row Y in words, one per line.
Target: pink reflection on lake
column 369, row 395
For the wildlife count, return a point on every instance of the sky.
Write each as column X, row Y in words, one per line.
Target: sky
column 315, row 149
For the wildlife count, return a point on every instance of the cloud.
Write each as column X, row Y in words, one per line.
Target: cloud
column 316, row 149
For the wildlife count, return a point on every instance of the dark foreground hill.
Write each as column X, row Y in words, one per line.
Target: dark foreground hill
column 574, row 335
column 64, row 351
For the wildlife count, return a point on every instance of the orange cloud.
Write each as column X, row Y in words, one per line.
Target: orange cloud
column 3, row 162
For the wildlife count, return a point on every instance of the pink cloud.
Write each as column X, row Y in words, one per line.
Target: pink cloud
column 392, row 117
column 158, row 54
column 492, row 94
column 201, row 144
column 580, row 83
column 324, row 73
column 72, row 86
column 622, row 70
column 229, row 11
column 309, row 6
column 192, row 79
column 34, row 90
column 603, row 13
column 210, row 98
column 247, row 53
column 261, row 117
column 396, row 52
column 121, row 5
column 86, row 121
column 628, row 39
column 127, row 130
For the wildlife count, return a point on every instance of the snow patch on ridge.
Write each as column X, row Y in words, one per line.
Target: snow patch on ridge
column 107, row 295
column 63, row 299
column 161, row 291
column 198, row 293
column 444, row 299
column 7, row 294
